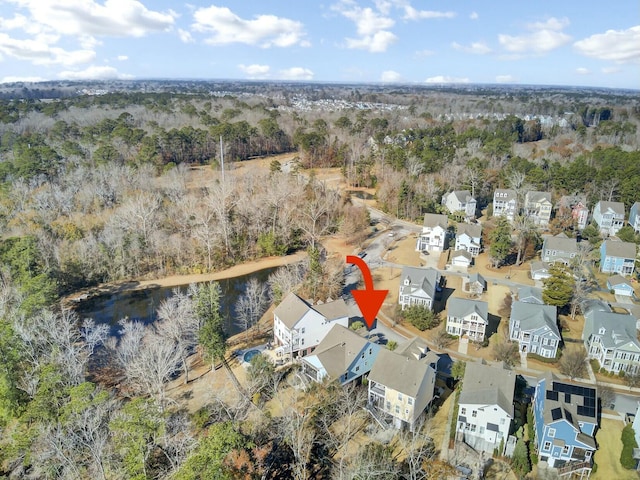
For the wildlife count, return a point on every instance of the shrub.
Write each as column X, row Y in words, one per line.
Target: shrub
column 357, row 325
column 392, row 345
column 628, row 444
column 420, row 317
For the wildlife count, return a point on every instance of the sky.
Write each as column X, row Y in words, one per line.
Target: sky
column 540, row 42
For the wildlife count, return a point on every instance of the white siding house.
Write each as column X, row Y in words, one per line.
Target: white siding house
column 418, row 286
column 434, row 234
column 467, row 318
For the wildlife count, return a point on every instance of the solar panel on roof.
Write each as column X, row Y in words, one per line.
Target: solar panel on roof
column 552, row 395
column 567, row 397
column 589, row 402
column 556, row 413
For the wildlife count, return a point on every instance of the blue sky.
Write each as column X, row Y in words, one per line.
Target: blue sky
column 560, row 42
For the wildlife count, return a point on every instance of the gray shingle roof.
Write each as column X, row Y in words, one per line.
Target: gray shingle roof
column 463, row 196
column 461, row 307
column 400, row 373
column 616, row 248
column 293, row 308
column 618, row 329
column 615, row 280
column 535, row 197
column 432, row 220
column 476, row 277
column 338, row 349
column 530, row 295
column 424, row 279
column 561, row 244
column 488, row 385
column 510, row 194
column 616, row 207
column 533, row 316
column 472, row 229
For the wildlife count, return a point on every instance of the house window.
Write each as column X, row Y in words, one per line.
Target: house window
column 481, row 430
column 358, row 368
column 397, row 408
column 473, row 428
column 388, row 406
column 362, row 356
column 474, row 413
column 552, row 432
column 565, row 450
column 302, row 330
column 302, row 342
column 547, row 446
column 410, row 401
column 463, row 411
column 399, row 396
column 502, row 420
column 406, row 411
column 536, row 339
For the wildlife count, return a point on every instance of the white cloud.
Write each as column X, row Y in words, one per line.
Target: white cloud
column 21, row 79
column 372, row 27
column 40, row 52
column 389, row 76
column 255, row 70
column 582, row 71
column 93, row 73
column 411, row 13
column 543, row 37
column 264, row 30
column 610, row 70
column 122, row 58
column 295, row 73
column 621, row 46
column 476, row 48
column 185, row 36
column 446, row 79
column 473, row 16
column 116, row 18
column 505, row 79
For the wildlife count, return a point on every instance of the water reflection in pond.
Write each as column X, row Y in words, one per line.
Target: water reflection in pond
column 141, row 305
column 361, row 194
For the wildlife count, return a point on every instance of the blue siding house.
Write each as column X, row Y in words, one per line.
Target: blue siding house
column 617, row 257
column 566, row 418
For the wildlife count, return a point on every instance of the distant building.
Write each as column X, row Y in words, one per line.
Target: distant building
column 467, row 318
column 609, row 216
column 535, row 328
column 460, row 201
column 418, row 286
column 634, row 217
column 617, row 257
column 505, row 203
column 469, row 238
column 538, row 206
column 434, row 234
column 559, row 248
column 576, row 207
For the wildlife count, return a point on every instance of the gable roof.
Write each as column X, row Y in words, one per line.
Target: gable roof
column 538, row 197
column 619, row 330
column 560, row 243
column 400, row 373
column 293, row 308
column 533, row 316
column 530, row 295
column 501, row 192
column 462, row 196
column 432, row 220
column 461, row 253
column 538, row 266
column 615, row 207
column 476, row 277
column 615, row 280
column 415, row 348
column 338, row 349
column 617, row 248
column 421, row 279
column 461, row 307
column 488, row 385
column 474, row 230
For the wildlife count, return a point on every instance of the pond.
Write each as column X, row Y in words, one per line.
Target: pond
column 361, row 194
column 141, row 305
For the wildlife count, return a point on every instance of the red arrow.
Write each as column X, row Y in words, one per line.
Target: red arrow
column 369, row 300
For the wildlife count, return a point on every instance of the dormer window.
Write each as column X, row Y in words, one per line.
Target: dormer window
column 602, row 331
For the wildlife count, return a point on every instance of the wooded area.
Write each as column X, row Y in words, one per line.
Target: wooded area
column 100, row 189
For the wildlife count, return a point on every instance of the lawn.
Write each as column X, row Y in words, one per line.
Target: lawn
column 608, row 455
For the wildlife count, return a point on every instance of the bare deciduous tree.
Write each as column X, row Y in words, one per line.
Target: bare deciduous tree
column 251, row 305
column 573, row 363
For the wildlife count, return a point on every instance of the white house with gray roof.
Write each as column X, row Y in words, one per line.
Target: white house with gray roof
column 298, row 326
column 401, row 387
column 418, row 286
column 485, row 408
column 611, row 338
column 467, row 317
column 342, row 356
column 434, row 234
column 538, row 206
column 469, row 238
column 505, row 203
column 535, row 328
column 460, row 201
column 609, row 216
column 559, row 248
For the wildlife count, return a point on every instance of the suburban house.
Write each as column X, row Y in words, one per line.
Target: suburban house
column 469, row 238
column 460, row 201
column 565, row 417
column 401, row 387
column 611, row 338
column 609, row 216
column 576, row 207
column 530, row 295
column 461, row 258
column 475, row 284
column 342, row 356
column 620, row 286
column 559, row 248
column 538, row 206
column 505, row 203
column 617, row 257
column 535, row 328
column 485, row 408
column 634, row 217
column 418, row 286
column 467, row 317
column 434, row 234
column 298, row 326
column 539, row 270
